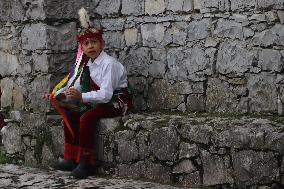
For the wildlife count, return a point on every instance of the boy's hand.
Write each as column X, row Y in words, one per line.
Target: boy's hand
column 73, row 93
column 47, row 96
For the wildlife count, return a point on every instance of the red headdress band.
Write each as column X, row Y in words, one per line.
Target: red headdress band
column 90, row 33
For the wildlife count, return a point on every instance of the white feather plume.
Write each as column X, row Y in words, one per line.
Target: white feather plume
column 84, row 18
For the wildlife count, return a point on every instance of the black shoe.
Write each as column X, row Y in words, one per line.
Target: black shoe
column 84, row 169
column 65, row 165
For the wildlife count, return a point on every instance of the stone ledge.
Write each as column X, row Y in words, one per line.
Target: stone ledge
column 188, row 150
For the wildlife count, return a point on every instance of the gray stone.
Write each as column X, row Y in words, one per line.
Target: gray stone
column 57, row 139
column 11, row 10
column 276, row 4
column 242, row 137
column 197, row 62
column 184, row 166
column 157, row 172
column 18, row 97
column 190, row 180
column 157, row 69
column 222, row 97
column 54, row 63
column 273, row 36
column 127, row 148
column 143, row 147
column 188, row 150
column 113, row 24
column 254, row 167
column 137, row 61
column 214, row 5
column 155, row 7
column 164, row 143
column 37, row 89
column 262, row 92
column 108, row 7
column 270, row 60
column 131, row 36
column 180, row 5
column 167, row 94
column 130, row 7
column 159, row 54
column 42, row 36
column 274, row 141
column 199, row 29
column 6, row 86
column 108, row 125
column 234, row 58
column 48, row 157
column 177, row 69
column 217, row 169
column 282, row 174
column 239, row 5
column 197, row 133
column 152, row 34
column 229, row 29
column 9, row 64
column 30, row 159
column 195, row 103
column 281, row 16
column 135, row 171
column 176, row 34
column 11, row 139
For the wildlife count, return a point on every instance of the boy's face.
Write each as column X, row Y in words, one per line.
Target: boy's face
column 92, row 47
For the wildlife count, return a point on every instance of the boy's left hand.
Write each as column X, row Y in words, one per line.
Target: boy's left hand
column 74, row 93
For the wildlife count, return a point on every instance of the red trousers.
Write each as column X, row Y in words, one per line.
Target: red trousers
column 84, row 127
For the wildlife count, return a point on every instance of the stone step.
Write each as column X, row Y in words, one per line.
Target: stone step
column 13, row 176
column 186, row 150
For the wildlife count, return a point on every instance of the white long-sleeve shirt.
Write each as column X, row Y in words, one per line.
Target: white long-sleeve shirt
column 108, row 74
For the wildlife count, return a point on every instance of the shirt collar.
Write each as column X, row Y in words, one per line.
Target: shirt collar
column 99, row 58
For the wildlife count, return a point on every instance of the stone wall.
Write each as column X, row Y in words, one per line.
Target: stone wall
column 192, row 55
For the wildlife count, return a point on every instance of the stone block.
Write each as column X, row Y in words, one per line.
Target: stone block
column 167, row 94
column 262, row 92
column 114, row 39
column 175, row 64
column 154, row 7
column 9, row 64
column 6, row 86
column 240, row 5
column 137, row 170
column 11, row 10
column 37, row 89
column 195, row 103
column 234, row 58
column 157, row 172
column 127, row 148
column 229, row 29
column 190, row 180
column 41, row 37
column 275, row 4
column 273, row 36
column 57, row 139
column 137, row 61
column 164, row 143
column 18, row 97
column 133, row 7
column 11, row 138
column 177, row 33
column 131, row 36
column 57, row 64
column 197, row 133
column 252, row 167
column 108, row 7
column 270, row 60
column 152, row 34
column 64, row 9
column 212, row 5
column 198, row 30
column 108, row 125
column 180, row 5
column 185, row 166
column 113, row 24
column 188, row 150
column 281, row 16
column 143, row 147
column 157, row 69
column 217, row 169
column 48, row 157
